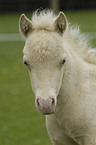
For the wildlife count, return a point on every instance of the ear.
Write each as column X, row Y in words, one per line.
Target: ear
column 61, row 23
column 25, row 25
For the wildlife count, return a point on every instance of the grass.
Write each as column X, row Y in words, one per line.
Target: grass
column 20, row 122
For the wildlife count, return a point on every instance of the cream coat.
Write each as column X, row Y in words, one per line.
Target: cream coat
column 50, row 40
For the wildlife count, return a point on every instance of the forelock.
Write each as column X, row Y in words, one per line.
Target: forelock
column 43, row 20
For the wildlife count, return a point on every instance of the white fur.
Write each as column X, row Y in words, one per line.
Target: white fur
column 74, row 119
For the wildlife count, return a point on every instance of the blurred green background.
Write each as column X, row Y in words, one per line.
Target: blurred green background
column 20, row 122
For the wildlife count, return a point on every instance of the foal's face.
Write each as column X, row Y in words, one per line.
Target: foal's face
column 45, row 60
column 44, row 57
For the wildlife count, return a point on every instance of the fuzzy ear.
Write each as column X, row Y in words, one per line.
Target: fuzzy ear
column 61, row 23
column 25, row 25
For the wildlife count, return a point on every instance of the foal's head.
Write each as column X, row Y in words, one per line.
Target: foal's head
column 44, row 56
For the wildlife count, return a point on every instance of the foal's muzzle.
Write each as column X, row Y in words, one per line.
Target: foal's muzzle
column 45, row 106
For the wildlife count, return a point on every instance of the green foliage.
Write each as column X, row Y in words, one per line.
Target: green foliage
column 20, row 122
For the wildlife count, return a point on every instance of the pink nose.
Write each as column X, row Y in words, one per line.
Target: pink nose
column 45, row 106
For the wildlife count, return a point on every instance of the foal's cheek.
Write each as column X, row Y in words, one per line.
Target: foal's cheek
column 33, row 83
column 58, row 80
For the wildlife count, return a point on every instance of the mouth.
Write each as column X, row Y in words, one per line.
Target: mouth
column 48, row 113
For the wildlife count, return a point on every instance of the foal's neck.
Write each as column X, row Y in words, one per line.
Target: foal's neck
column 73, row 72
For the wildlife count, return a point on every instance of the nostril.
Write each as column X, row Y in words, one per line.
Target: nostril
column 53, row 101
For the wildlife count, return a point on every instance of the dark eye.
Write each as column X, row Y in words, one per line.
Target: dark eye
column 64, row 60
column 26, row 63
